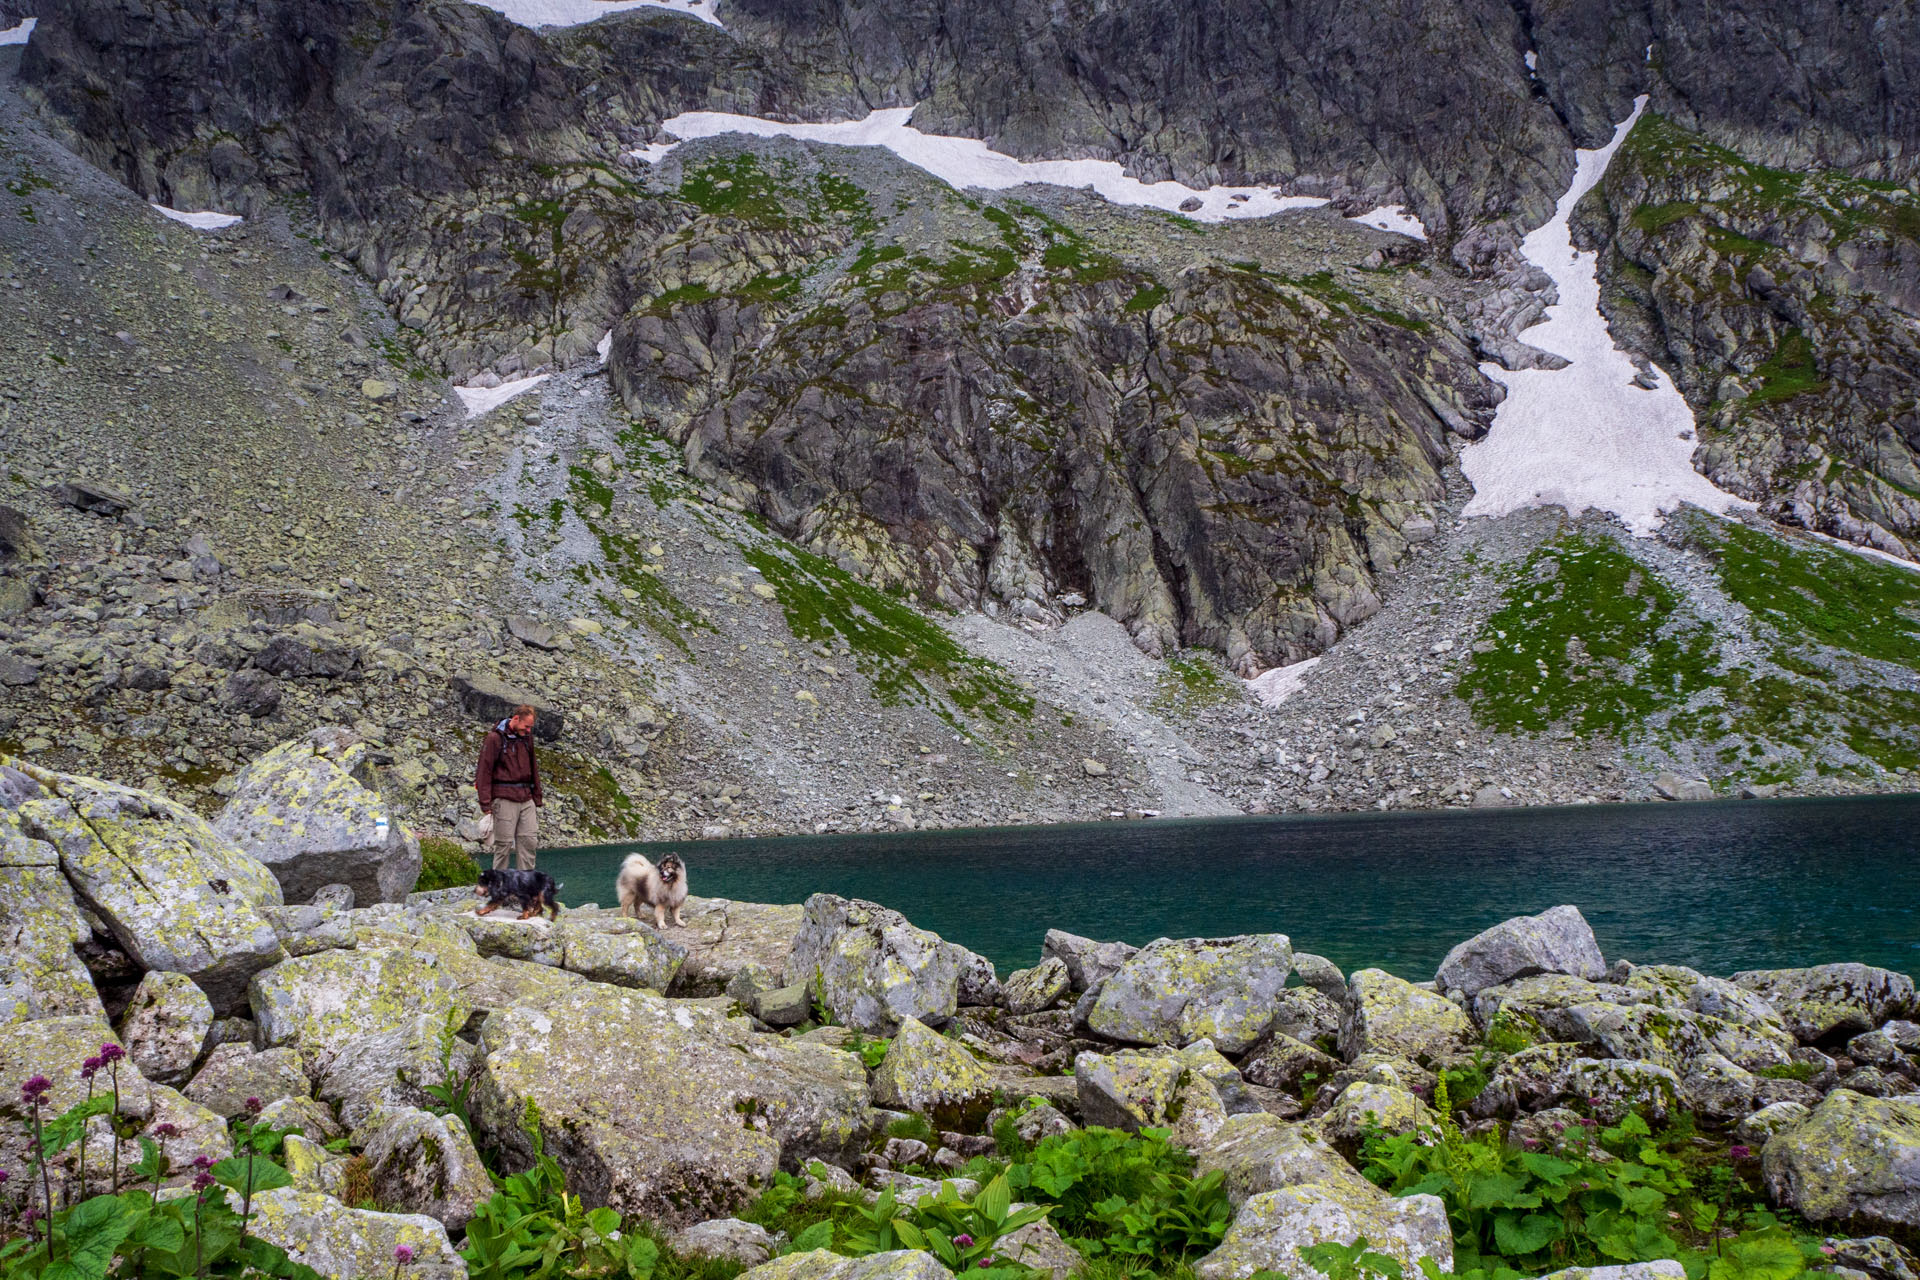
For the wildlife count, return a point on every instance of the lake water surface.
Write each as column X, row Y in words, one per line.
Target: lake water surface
column 1720, row 886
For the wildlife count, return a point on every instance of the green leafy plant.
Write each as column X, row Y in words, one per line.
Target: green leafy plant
column 449, row 1095
column 533, row 1227
column 1124, row 1195
column 1356, row 1261
column 963, row 1234
column 445, row 865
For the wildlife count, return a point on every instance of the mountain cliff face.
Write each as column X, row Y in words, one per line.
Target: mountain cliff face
column 1237, row 437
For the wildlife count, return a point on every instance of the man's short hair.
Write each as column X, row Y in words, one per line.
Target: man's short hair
column 524, row 710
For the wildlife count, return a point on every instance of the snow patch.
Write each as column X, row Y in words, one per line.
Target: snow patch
column 571, row 13
column 19, row 34
column 200, row 221
column 1275, row 686
column 1533, row 60
column 481, row 400
column 1585, row 436
column 968, row 162
column 605, row 346
column 1394, row 218
column 653, row 152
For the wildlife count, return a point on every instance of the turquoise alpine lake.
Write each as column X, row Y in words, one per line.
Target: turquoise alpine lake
column 1720, row 886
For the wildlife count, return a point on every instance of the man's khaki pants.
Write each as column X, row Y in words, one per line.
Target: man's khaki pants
column 516, row 827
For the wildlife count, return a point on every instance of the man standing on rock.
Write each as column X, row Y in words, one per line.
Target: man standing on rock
column 508, row 781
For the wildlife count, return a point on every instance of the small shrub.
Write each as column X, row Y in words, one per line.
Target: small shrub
column 445, row 865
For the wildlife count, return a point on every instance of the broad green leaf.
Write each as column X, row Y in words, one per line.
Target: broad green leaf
column 65, row 1129
column 817, row 1236
column 1519, row 1235
column 910, row 1235
column 994, row 1199
column 266, row 1175
column 604, row 1221
column 1766, row 1255
column 1501, row 1191
column 643, row 1255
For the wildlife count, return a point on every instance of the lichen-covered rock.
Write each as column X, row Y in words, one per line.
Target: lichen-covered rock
column 1385, row 1014
column 870, row 968
column 178, row 896
column 1133, row 1089
column 1663, row 1269
column 422, row 1164
column 623, row 952
column 311, row 1166
column 233, row 1073
column 979, row 983
column 1526, row 1004
column 392, row 1068
column 661, row 1109
column 1257, row 1152
column 819, row 1264
column 165, row 1026
column 1273, row 1227
column 480, row 983
column 40, row 976
column 311, row 1117
column 1877, row 1256
column 924, row 1071
column 723, row 937
column 1038, row 988
column 1281, row 1062
column 1198, row 1113
column 1175, row 992
column 304, row 930
column 1364, row 1107
column 1321, row 974
column 352, row 1244
column 1556, row 941
column 319, row 1002
column 1854, row 1157
column 1613, row 1087
column 1716, row 1089
column 1038, row 1246
column 726, row 1240
column 1088, row 963
column 1831, row 1001
column 299, row 810
column 1309, row 1016
column 1759, row 1128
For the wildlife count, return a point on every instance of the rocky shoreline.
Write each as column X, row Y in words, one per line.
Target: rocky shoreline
column 270, row 971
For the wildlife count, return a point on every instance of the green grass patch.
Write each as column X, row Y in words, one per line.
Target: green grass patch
column 1587, row 636
column 906, row 656
column 625, row 583
column 445, row 865
column 1192, row 683
column 1835, row 598
column 1655, row 218
column 1149, row 297
column 1790, row 371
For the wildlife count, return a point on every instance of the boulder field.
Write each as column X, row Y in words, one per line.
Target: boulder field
column 274, row 960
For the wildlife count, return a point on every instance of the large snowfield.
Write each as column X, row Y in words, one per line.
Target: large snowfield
column 571, row 13
column 1585, row 437
column 479, row 400
column 208, row 221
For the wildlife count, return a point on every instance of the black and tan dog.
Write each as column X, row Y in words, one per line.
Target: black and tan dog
column 531, row 891
column 664, row 888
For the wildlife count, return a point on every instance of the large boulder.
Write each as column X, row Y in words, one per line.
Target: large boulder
column 299, row 810
column 722, row 938
column 176, row 894
column 1365, row 1107
column 1271, row 1230
column 40, row 925
column 318, row 1003
column 1136, row 1089
column 480, row 983
column 819, row 1264
column 1033, row 990
column 1388, row 1015
column 1088, row 963
column 726, row 1240
column 422, row 1164
column 1257, row 1152
column 165, row 1027
column 392, row 1068
column 352, row 1244
column 1660, row 1269
column 1556, row 941
column 1832, row 1001
column 663, row 1108
column 871, row 968
column 1854, row 1158
column 1281, row 1062
column 928, row 1073
column 234, row 1072
column 1175, row 992
column 490, row 700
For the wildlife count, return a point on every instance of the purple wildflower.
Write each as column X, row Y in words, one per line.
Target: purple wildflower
column 253, row 1106
column 203, row 1162
column 166, row 1129
column 201, row 1181
column 33, row 1088
column 111, row 1053
column 4, row 1175
column 403, row 1253
column 90, row 1068
column 1739, row 1153
column 963, row 1241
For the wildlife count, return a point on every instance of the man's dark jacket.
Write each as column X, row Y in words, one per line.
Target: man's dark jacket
column 507, row 768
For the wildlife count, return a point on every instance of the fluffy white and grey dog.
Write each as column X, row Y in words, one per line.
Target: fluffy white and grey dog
column 664, row 888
